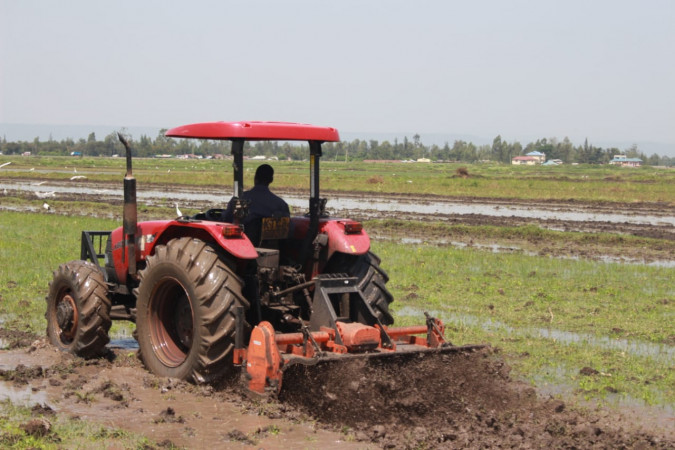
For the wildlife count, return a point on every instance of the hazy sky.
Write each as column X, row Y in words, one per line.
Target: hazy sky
column 598, row 69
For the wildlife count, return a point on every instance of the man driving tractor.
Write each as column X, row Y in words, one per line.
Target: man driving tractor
column 262, row 202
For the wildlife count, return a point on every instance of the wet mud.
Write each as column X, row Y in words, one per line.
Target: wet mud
column 464, row 400
column 454, row 401
column 117, row 392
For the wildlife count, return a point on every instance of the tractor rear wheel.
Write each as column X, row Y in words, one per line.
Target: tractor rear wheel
column 185, row 314
column 78, row 309
column 372, row 280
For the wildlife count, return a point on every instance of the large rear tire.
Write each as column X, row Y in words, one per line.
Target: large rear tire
column 185, row 314
column 372, row 280
column 78, row 309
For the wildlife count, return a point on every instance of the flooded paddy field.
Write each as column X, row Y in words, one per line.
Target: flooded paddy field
column 645, row 220
column 641, row 219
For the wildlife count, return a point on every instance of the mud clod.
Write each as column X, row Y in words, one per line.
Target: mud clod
column 240, row 436
column 42, row 410
column 169, row 416
column 37, row 427
column 21, row 375
column 588, row 371
column 17, row 339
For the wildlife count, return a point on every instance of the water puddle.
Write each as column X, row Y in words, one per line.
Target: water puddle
column 121, row 339
column 124, row 344
column 352, row 204
column 496, row 248
column 554, row 381
column 22, row 396
column 662, row 352
column 434, row 208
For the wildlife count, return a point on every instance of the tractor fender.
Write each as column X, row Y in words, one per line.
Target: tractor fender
column 339, row 240
column 149, row 234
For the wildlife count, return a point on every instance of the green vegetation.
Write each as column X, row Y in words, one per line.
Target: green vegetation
column 356, row 150
column 31, row 248
column 581, row 183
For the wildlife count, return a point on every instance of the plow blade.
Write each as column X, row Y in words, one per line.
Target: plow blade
column 342, row 327
column 269, row 354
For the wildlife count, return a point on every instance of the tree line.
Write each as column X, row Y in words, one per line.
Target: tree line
column 406, row 149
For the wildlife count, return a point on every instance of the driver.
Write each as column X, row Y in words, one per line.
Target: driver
column 263, row 203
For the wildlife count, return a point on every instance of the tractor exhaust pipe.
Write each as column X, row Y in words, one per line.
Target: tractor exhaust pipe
column 130, row 214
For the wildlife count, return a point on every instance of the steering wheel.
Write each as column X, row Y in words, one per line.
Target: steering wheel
column 214, row 215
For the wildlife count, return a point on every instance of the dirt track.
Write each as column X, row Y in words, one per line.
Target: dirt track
column 451, row 401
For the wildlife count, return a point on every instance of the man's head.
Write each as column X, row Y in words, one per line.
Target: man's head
column 264, row 175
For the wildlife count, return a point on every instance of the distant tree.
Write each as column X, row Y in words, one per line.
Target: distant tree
column 500, row 151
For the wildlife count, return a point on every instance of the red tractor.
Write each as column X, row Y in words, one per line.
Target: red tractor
column 207, row 295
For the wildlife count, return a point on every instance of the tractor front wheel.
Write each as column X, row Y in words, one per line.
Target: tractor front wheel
column 186, row 311
column 78, row 309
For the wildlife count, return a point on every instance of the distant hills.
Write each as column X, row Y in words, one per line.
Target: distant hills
column 28, row 132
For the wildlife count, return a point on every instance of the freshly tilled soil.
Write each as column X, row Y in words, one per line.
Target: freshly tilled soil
column 457, row 400
column 465, row 400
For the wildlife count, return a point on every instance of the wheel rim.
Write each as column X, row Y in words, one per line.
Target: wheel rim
column 171, row 322
column 66, row 317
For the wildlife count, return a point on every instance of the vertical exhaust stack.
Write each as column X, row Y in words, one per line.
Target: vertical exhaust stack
column 130, row 214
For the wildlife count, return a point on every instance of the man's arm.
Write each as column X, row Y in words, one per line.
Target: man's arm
column 228, row 215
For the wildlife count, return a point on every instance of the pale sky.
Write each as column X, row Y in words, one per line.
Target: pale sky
column 522, row 69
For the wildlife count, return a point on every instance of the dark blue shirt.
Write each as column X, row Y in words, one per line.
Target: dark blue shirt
column 263, row 203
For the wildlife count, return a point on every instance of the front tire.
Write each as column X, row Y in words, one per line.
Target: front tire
column 372, row 280
column 78, row 309
column 186, row 311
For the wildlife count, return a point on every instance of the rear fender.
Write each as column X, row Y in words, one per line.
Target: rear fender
column 338, row 239
column 150, row 234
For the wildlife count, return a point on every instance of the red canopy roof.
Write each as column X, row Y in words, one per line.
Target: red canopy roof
column 273, row 131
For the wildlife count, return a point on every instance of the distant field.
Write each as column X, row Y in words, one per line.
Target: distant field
column 581, row 183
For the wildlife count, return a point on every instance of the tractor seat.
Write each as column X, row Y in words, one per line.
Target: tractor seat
column 266, row 232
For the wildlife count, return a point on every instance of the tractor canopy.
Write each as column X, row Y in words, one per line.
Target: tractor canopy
column 255, row 130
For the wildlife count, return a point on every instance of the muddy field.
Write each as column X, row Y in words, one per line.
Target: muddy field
column 449, row 401
column 655, row 220
column 645, row 220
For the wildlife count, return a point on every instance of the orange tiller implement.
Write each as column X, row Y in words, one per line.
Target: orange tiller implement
column 342, row 326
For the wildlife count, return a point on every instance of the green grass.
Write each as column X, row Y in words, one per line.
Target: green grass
column 31, row 248
column 583, row 183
